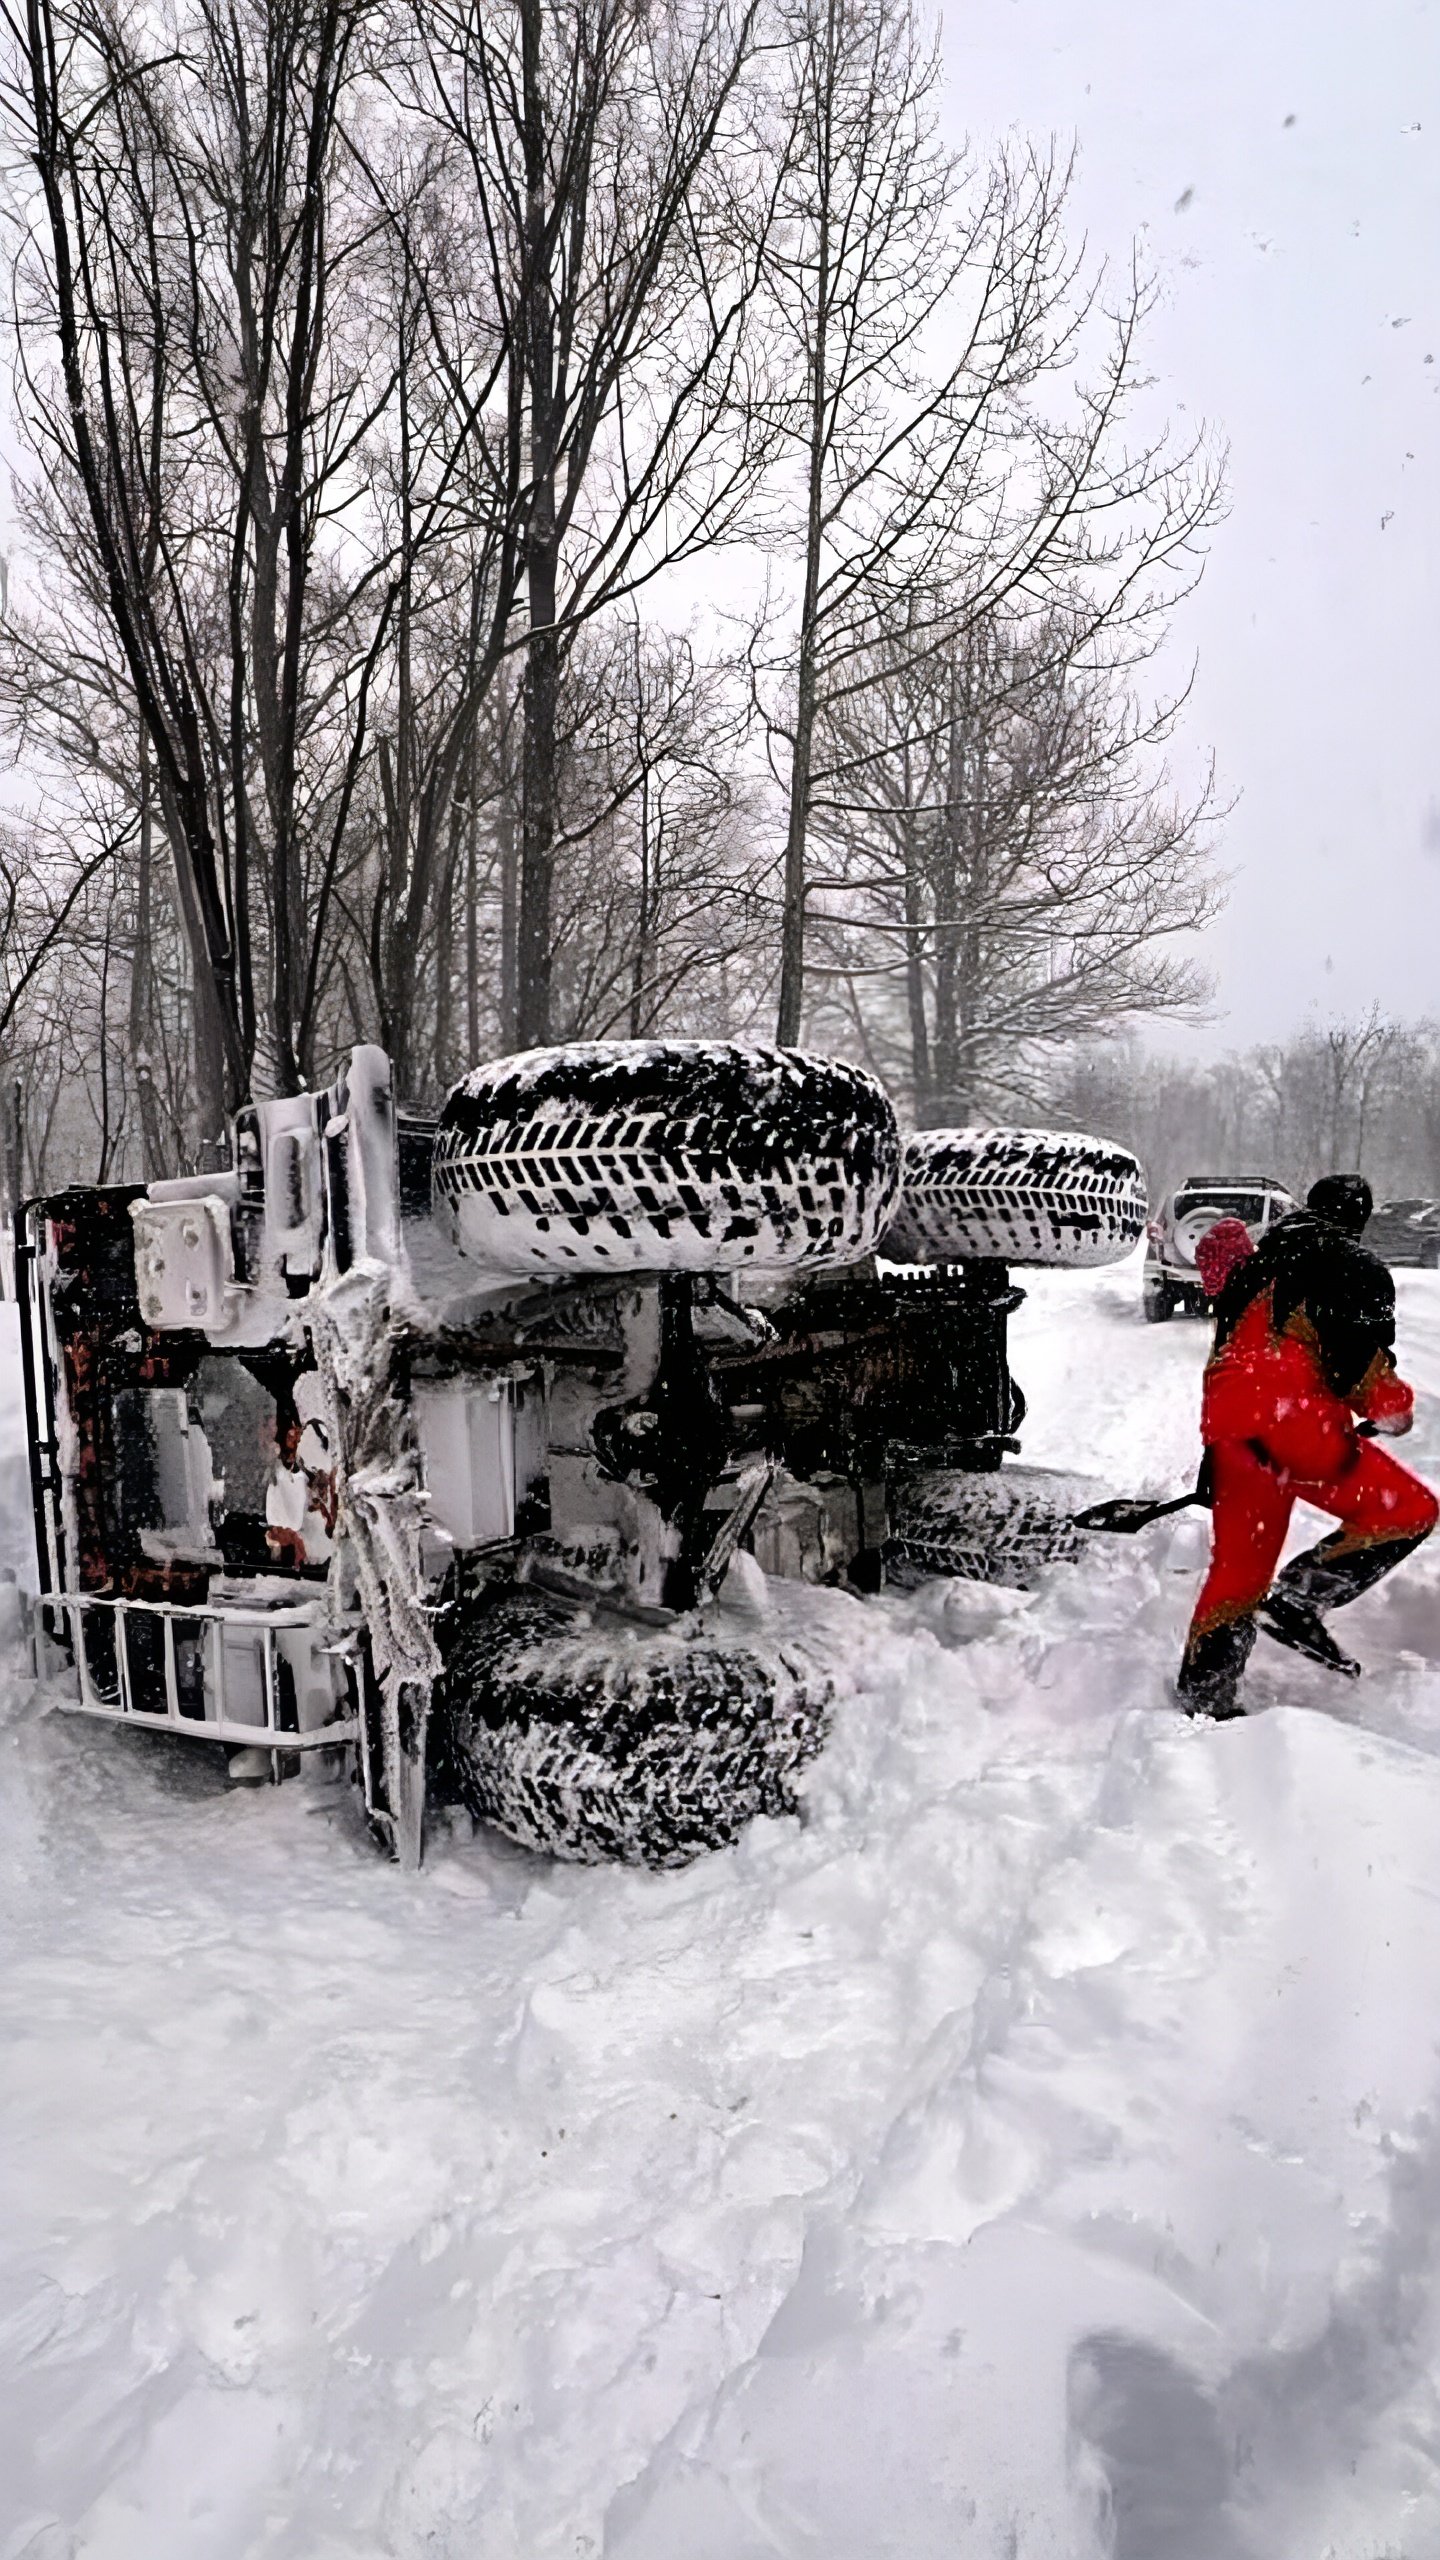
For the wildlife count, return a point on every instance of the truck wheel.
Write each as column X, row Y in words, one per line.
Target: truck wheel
column 682, row 1155
column 645, row 1746
column 1017, row 1195
column 990, row 1528
column 1159, row 1304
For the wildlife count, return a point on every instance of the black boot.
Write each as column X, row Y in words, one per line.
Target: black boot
column 1298, row 1624
column 1209, row 1678
column 1328, row 1576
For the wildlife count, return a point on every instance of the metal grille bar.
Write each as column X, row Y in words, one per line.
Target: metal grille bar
column 122, row 1708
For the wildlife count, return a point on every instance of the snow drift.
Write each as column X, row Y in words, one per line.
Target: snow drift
column 1035, row 2152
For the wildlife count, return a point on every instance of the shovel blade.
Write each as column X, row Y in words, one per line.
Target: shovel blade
column 1126, row 1513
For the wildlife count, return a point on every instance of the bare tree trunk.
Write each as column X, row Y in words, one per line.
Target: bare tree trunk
column 102, row 1170
column 405, row 983
column 472, row 916
column 920, row 1069
column 508, row 850
column 792, row 923
column 142, row 980
column 442, row 1061
column 15, row 1146
column 1337, row 1097
column 542, row 562
column 215, row 1090
column 537, row 811
column 947, row 922
column 640, row 966
column 972, row 926
column 791, row 1006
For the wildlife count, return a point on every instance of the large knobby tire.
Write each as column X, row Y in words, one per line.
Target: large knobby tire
column 1038, row 1196
column 603, row 1742
column 685, row 1155
column 989, row 1528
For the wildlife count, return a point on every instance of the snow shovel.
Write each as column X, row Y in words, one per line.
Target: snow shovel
column 1126, row 1514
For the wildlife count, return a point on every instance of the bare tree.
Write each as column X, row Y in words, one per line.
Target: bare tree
column 934, row 318
column 201, row 385
column 451, row 476
column 67, row 705
column 862, row 261
column 657, row 880
column 49, row 903
column 1327, row 1088
column 608, row 147
column 1011, row 870
column 374, row 363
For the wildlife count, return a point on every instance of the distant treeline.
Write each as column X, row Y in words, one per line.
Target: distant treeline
column 1359, row 1096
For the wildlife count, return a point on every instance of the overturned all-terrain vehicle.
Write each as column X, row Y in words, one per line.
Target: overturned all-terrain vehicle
column 429, row 1445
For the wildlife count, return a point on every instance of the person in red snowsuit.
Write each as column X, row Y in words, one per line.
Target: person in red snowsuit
column 1305, row 1327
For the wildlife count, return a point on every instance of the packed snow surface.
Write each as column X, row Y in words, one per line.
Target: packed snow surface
column 1035, row 2153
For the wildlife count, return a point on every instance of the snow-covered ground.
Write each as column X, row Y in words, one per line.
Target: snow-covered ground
column 1036, row 2153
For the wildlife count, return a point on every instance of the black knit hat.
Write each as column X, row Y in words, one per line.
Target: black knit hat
column 1345, row 1199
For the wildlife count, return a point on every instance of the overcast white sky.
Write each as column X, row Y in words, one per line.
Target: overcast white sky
column 1301, row 316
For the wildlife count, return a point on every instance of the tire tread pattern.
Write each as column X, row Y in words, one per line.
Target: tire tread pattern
column 990, row 1528
column 1036, row 1196
column 637, row 1746
column 684, row 1155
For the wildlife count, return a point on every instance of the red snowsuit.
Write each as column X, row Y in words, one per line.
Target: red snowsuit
column 1277, row 1433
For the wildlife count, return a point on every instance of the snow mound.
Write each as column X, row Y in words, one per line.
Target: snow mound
column 1034, row 2150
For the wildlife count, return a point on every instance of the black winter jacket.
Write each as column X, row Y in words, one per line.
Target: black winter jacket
column 1315, row 1269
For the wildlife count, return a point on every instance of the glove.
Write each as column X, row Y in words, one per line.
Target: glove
column 1390, row 1406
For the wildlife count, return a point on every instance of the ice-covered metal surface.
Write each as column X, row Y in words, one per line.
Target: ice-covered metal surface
column 380, row 1520
column 185, row 1263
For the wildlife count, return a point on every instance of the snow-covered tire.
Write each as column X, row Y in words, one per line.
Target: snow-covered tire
column 684, row 1155
column 614, row 1743
column 990, row 1528
column 1041, row 1196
